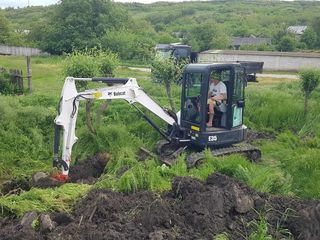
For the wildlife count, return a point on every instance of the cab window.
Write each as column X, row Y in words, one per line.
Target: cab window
column 192, row 105
column 238, row 86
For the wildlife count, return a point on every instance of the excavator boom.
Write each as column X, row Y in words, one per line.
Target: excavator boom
column 123, row 88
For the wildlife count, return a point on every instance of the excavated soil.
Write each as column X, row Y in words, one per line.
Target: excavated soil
column 191, row 210
column 89, row 170
column 86, row 171
column 256, row 136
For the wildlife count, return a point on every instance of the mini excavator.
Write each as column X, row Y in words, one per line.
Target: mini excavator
column 186, row 129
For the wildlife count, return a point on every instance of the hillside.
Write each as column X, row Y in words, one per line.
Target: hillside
column 203, row 25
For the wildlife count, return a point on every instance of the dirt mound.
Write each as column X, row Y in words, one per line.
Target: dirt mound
column 89, row 170
column 191, row 210
column 15, row 186
column 86, row 171
column 254, row 136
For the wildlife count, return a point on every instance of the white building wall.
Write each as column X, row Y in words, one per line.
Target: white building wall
column 274, row 61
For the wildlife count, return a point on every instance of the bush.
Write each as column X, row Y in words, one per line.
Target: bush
column 90, row 63
column 7, row 86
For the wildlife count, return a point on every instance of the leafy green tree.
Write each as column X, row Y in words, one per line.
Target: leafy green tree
column 128, row 45
column 164, row 37
column 309, row 38
column 287, row 44
column 167, row 71
column 220, row 41
column 79, row 24
column 209, row 35
column 4, row 29
column 310, row 79
column 276, row 38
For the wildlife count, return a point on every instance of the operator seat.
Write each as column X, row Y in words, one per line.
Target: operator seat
column 220, row 112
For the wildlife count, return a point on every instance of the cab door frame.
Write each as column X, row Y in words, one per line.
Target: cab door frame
column 237, row 97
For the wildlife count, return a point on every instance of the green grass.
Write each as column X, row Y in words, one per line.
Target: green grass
column 46, row 73
column 44, row 200
column 289, row 164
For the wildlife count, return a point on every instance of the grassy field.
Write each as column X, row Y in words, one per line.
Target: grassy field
column 289, row 164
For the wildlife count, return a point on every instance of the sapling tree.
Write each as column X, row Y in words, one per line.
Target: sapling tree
column 167, row 71
column 310, row 79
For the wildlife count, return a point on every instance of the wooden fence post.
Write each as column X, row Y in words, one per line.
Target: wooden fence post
column 21, row 81
column 29, row 73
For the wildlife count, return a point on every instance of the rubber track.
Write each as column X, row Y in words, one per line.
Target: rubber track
column 234, row 149
column 252, row 153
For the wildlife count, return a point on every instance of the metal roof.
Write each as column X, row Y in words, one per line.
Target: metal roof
column 297, row 29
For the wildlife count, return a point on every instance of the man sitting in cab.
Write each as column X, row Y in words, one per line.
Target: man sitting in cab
column 217, row 93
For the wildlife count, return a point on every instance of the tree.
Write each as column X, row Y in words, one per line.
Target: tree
column 309, row 38
column 220, row 41
column 128, row 45
column 310, row 79
column 207, row 36
column 4, row 29
column 287, row 44
column 80, row 24
column 316, row 28
column 166, row 71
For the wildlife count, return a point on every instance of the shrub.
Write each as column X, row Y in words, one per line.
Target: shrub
column 90, row 63
column 9, row 86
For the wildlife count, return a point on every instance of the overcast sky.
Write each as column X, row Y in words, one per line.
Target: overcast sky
column 24, row 3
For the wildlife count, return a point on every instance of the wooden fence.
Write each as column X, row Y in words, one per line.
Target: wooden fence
column 20, row 51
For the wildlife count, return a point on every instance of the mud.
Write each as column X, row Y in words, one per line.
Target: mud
column 256, row 136
column 89, row 170
column 191, row 210
column 86, row 171
column 15, row 186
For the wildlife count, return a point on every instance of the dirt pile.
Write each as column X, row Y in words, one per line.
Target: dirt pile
column 253, row 136
column 191, row 210
column 86, row 171
column 89, row 170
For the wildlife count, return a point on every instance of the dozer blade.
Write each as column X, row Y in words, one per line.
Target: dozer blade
column 168, row 152
column 170, row 159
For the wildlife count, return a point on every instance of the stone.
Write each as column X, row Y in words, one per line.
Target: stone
column 244, row 204
column 28, row 219
column 37, row 176
column 46, row 224
column 231, row 226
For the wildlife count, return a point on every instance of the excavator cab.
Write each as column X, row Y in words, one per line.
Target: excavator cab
column 227, row 125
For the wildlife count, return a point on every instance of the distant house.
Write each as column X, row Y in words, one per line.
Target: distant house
column 297, row 30
column 237, row 42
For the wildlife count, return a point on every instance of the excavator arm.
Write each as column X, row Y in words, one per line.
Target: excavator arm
column 123, row 88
